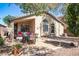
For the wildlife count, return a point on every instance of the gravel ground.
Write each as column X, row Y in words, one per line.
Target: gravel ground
column 36, row 51
column 64, row 50
column 67, row 52
column 42, row 48
column 47, row 49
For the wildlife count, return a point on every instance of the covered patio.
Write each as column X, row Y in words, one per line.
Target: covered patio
column 24, row 26
column 23, row 29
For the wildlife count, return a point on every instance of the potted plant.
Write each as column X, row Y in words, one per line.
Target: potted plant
column 16, row 49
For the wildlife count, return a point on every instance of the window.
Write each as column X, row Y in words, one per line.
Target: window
column 25, row 28
column 45, row 25
column 52, row 28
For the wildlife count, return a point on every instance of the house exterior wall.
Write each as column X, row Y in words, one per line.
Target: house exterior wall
column 50, row 21
column 37, row 27
column 59, row 29
column 38, row 20
column 2, row 31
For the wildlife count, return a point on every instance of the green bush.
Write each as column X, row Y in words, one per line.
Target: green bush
column 18, row 46
column 1, row 41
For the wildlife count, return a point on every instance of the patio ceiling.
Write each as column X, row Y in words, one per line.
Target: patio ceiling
column 24, row 19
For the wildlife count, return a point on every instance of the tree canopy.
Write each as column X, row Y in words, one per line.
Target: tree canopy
column 7, row 19
column 72, row 18
column 35, row 8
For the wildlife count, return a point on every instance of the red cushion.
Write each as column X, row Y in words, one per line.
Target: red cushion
column 19, row 33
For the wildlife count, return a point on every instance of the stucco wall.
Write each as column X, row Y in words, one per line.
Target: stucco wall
column 59, row 29
column 50, row 21
column 38, row 20
column 45, row 17
column 2, row 31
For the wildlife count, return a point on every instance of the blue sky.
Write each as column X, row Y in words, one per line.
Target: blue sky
column 12, row 9
column 5, row 10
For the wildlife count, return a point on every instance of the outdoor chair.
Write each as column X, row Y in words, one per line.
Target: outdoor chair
column 20, row 36
column 25, row 37
column 32, row 38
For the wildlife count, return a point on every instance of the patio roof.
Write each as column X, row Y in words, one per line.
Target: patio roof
column 19, row 18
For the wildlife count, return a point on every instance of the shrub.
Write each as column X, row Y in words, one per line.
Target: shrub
column 1, row 41
column 72, row 18
column 18, row 46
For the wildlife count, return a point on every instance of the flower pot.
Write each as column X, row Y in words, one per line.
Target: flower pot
column 16, row 51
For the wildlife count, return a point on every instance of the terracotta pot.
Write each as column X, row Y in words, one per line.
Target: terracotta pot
column 16, row 51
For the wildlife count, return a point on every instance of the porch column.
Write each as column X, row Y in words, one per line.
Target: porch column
column 38, row 21
column 19, row 27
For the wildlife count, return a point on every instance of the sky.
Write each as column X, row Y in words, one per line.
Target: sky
column 13, row 10
column 9, row 9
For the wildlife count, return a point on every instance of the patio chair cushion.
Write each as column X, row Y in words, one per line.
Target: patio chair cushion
column 19, row 33
column 24, row 34
column 19, row 38
column 28, row 33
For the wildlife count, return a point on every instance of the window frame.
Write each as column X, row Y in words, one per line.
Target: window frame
column 45, row 25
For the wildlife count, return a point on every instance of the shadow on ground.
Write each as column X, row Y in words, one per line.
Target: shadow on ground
column 64, row 45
